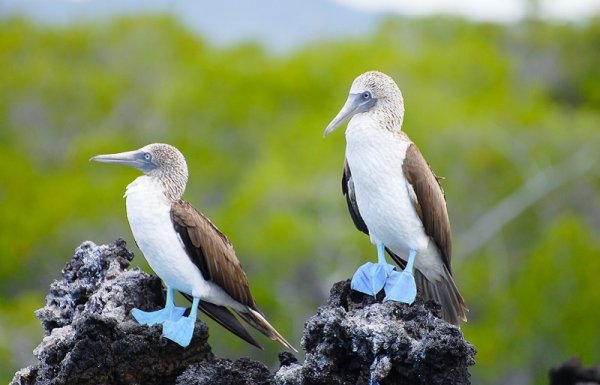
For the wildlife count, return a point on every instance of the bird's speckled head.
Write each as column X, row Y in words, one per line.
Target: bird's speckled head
column 382, row 88
column 158, row 160
column 376, row 94
column 170, row 167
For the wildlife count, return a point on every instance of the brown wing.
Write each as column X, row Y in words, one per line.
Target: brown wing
column 211, row 251
column 430, row 201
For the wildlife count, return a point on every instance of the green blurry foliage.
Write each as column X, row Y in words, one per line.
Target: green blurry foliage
column 490, row 107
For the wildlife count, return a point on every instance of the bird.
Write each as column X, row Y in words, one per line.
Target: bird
column 395, row 198
column 186, row 250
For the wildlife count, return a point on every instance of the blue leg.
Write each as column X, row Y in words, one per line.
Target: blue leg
column 181, row 330
column 170, row 312
column 401, row 286
column 370, row 277
column 381, row 254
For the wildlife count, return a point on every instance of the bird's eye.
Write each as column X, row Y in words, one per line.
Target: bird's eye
column 366, row 95
column 147, row 156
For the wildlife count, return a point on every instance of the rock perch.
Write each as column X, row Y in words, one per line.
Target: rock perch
column 356, row 339
column 90, row 337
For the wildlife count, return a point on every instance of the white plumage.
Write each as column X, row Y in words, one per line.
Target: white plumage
column 185, row 250
column 394, row 197
column 384, row 196
column 148, row 212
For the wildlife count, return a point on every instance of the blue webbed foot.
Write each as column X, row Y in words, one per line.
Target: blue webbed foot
column 400, row 287
column 171, row 313
column 370, row 278
column 180, row 331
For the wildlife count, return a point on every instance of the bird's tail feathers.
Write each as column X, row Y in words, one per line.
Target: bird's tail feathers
column 225, row 318
column 445, row 293
column 259, row 322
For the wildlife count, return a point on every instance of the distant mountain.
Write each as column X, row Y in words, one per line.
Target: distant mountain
column 279, row 25
column 284, row 25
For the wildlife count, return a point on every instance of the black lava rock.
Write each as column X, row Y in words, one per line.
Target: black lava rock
column 572, row 372
column 90, row 337
column 358, row 339
column 227, row 372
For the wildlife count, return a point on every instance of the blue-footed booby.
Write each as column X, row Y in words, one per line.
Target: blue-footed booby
column 185, row 250
column 394, row 197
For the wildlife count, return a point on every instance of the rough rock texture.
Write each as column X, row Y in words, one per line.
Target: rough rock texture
column 573, row 373
column 357, row 339
column 227, row 372
column 90, row 336
column 354, row 339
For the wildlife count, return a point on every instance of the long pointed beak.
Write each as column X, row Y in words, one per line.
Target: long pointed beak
column 130, row 158
column 354, row 104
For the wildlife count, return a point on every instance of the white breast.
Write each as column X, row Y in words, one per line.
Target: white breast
column 148, row 212
column 383, row 195
column 149, row 215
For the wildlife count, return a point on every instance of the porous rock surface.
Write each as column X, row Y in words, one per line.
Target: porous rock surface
column 358, row 339
column 227, row 372
column 90, row 337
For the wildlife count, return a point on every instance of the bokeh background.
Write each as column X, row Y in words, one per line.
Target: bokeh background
column 504, row 103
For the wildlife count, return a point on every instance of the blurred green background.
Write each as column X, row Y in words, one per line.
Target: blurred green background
column 508, row 114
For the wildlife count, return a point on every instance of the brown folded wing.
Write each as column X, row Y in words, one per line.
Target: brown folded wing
column 211, row 251
column 430, row 202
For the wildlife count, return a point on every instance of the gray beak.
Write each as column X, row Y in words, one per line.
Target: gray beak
column 137, row 159
column 354, row 105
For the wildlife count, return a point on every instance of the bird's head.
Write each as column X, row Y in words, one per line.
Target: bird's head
column 375, row 93
column 158, row 160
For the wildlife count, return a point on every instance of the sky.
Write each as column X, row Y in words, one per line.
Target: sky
column 283, row 25
column 500, row 11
